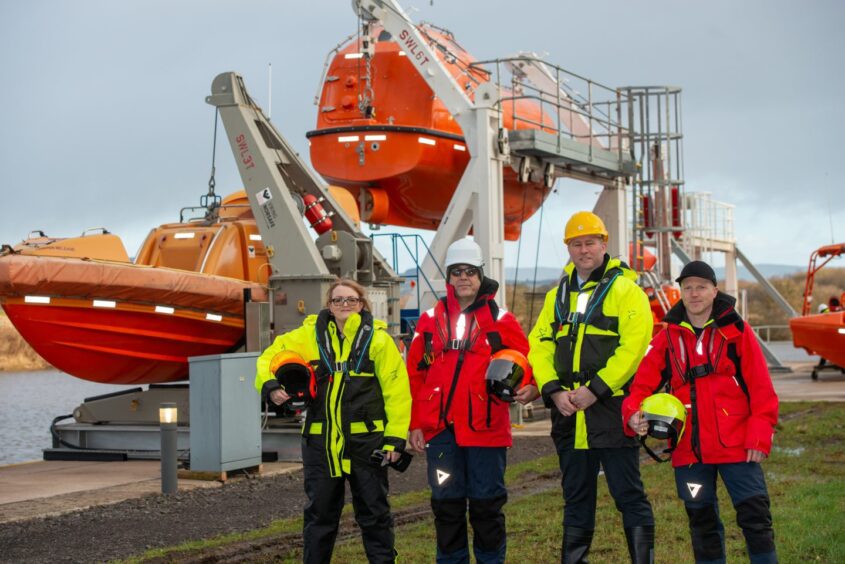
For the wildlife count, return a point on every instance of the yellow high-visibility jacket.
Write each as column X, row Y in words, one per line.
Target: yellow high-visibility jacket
column 358, row 408
column 599, row 348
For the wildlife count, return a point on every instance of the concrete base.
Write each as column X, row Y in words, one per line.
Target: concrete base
column 142, row 442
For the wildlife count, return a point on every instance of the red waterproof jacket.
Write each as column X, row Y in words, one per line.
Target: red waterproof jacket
column 722, row 379
column 447, row 364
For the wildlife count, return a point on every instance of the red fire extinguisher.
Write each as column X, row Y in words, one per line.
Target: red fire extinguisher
column 316, row 214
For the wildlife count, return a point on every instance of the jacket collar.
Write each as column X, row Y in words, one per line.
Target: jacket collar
column 597, row 274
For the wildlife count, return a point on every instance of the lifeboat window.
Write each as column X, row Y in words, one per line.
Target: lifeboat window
column 164, row 309
column 104, row 303
column 184, row 235
column 213, row 317
column 254, row 237
column 37, row 299
column 384, row 36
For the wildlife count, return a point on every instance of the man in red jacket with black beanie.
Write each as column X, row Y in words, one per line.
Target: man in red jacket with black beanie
column 709, row 358
column 464, row 429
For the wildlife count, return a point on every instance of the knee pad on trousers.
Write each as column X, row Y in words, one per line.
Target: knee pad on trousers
column 488, row 522
column 450, row 524
column 705, row 532
column 755, row 519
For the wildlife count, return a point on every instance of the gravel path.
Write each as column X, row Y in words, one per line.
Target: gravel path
column 131, row 527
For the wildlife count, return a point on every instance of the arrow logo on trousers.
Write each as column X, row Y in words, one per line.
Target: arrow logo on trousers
column 693, row 489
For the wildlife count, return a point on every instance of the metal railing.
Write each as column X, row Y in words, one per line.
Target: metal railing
column 560, row 102
column 707, row 221
column 765, row 331
column 416, row 254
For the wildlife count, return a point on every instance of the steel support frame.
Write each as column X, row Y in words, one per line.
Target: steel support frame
column 478, row 199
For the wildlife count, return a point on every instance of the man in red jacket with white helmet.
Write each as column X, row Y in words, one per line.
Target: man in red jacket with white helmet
column 464, row 430
column 709, row 358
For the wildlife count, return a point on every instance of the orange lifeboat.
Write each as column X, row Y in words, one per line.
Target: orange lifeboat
column 822, row 334
column 396, row 147
column 90, row 312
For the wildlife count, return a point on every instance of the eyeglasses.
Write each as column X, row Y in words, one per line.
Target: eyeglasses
column 345, row 301
column 470, row 271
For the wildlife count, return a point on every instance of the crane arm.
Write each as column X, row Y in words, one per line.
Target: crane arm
column 419, row 52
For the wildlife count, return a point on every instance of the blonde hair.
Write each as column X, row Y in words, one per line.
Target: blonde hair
column 349, row 283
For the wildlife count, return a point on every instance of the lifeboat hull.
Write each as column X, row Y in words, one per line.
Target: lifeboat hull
column 822, row 334
column 121, row 323
column 409, row 154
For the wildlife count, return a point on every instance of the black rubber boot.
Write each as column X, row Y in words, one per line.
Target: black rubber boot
column 576, row 545
column 641, row 544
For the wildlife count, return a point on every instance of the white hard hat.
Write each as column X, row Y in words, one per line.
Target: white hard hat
column 464, row 251
column 822, row 308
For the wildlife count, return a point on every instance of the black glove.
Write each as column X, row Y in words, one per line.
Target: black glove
column 379, row 458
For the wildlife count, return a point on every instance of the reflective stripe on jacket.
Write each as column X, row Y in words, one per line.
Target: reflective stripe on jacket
column 721, row 377
column 447, row 365
column 357, row 412
column 600, row 348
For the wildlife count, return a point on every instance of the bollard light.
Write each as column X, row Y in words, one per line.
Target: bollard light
column 167, row 413
column 167, row 417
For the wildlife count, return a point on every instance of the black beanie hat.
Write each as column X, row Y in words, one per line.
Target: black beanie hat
column 699, row 269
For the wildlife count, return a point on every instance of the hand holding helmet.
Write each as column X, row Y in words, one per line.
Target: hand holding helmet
column 665, row 417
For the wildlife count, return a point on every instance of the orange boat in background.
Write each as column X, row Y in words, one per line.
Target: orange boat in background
column 90, row 312
column 822, row 334
column 396, row 147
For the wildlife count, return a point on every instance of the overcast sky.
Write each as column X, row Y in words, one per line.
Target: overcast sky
column 103, row 120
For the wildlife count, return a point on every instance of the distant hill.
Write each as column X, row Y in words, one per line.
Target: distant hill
column 545, row 274
column 767, row 270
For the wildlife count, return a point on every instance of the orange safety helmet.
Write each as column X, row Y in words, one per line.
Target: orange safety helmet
column 296, row 378
column 507, row 373
column 584, row 223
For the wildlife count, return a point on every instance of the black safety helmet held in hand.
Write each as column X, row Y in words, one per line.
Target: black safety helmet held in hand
column 296, row 378
column 506, row 373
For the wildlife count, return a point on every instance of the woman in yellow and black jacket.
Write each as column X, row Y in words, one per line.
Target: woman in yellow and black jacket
column 363, row 404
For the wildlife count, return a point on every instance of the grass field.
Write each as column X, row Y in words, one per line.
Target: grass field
column 805, row 475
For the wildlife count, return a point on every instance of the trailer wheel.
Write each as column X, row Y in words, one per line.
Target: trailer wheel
column 814, row 374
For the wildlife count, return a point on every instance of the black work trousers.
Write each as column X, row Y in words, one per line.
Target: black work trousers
column 326, row 495
column 580, row 468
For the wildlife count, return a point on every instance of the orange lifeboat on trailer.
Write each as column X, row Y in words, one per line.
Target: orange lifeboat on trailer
column 396, row 147
column 822, row 334
column 91, row 313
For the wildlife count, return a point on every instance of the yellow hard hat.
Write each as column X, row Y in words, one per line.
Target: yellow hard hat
column 584, row 223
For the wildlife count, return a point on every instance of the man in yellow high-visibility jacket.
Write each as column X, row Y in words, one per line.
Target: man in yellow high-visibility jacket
column 585, row 348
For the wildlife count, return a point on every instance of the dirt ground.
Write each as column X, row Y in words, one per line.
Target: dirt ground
column 131, row 527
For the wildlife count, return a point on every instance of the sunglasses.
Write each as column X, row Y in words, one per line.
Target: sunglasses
column 345, row 301
column 470, row 271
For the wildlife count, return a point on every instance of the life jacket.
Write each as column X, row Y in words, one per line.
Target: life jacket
column 450, row 356
column 567, row 323
column 679, row 371
column 360, row 399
